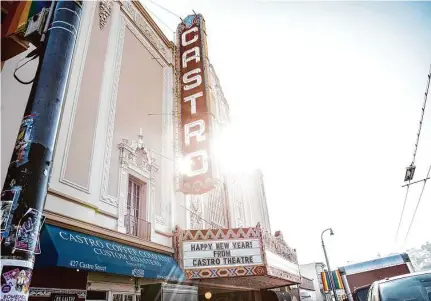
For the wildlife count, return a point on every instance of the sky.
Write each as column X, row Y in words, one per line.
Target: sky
column 325, row 99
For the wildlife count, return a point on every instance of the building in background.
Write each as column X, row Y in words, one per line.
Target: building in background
column 312, row 271
column 307, row 291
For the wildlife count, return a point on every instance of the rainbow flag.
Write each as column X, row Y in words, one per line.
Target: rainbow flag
column 327, row 282
column 19, row 14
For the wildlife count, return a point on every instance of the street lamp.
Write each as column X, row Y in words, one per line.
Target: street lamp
column 331, row 280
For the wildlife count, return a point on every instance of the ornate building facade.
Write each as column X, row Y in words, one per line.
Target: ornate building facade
column 111, row 194
column 114, row 178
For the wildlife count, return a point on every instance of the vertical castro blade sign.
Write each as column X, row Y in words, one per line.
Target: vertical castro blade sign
column 195, row 117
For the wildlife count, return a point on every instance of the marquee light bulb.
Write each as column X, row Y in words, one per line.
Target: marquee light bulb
column 208, row 295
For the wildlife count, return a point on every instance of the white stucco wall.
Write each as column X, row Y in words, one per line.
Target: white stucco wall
column 247, row 200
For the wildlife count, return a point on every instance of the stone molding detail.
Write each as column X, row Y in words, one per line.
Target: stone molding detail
column 177, row 117
column 105, row 197
column 105, row 10
column 277, row 244
column 143, row 25
column 134, row 156
column 159, row 220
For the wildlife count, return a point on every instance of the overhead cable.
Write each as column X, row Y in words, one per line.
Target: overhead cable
column 415, row 152
column 418, row 203
column 422, row 117
column 159, row 19
column 165, row 9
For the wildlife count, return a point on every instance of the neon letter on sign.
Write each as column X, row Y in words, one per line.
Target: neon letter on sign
column 195, row 128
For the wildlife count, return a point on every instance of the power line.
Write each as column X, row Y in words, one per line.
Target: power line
column 402, row 212
column 415, row 152
column 159, row 19
column 165, row 9
column 422, row 116
column 417, row 205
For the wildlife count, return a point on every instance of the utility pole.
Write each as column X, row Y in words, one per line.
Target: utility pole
column 25, row 187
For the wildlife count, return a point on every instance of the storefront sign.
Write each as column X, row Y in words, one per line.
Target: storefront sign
column 221, row 253
column 63, row 297
column 76, row 250
column 195, row 117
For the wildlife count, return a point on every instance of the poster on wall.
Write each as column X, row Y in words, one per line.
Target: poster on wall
column 6, row 208
column 24, row 139
column 195, row 120
column 27, row 233
column 15, row 280
column 9, row 202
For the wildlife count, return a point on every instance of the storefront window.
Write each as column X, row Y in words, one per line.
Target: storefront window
column 125, row 297
column 97, row 295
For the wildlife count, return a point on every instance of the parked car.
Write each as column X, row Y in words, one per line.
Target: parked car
column 408, row 287
column 360, row 294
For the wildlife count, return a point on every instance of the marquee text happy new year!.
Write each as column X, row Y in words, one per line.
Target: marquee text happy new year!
column 222, row 253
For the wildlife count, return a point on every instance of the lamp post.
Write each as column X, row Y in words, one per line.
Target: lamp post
column 331, row 280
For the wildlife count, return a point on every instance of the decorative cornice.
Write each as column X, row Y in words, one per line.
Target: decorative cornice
column 150, row 20
column 105, row 10
column 283, row 274
column 209, row 234
column 277, row 245
column 147, row 29
column 134, row 153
